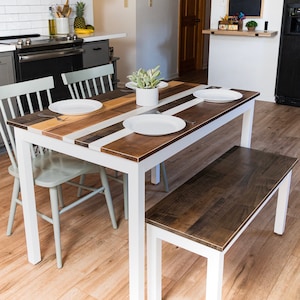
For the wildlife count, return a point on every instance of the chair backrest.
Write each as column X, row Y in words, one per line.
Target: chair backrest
column 89, row 82
column 18, row 99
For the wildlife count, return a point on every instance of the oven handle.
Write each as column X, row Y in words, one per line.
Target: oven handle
column 48, row 55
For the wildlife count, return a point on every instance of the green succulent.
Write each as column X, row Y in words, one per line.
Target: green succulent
column 146, row 79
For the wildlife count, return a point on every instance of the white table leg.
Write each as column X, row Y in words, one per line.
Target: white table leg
column 136, row 201
column 155, row 175
column 28, row 198
column 247, row 127
column 214, row 277
column 282, row 204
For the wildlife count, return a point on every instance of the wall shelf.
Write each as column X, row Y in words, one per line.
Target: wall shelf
column 256, row 33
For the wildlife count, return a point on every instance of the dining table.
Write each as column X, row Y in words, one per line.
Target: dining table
column 101, row 137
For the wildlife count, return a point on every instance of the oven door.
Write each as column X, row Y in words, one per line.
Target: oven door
column 32, row 65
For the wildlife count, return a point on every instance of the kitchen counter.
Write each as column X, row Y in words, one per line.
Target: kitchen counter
column 94, row 37
column 100, row 36
column 7, row 48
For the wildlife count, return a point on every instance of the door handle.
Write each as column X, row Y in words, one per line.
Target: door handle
column 49, row 54
column 197, row 20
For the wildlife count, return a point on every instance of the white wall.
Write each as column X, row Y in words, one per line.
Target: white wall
column 31, row 16
column 112, row 17
column 157, row 36
column 248, row 63
column 152, row 34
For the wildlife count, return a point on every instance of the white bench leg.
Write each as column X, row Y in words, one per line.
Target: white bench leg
column 215, row 262
column 247, row 127
column 282, row 204
column 214, row 277
column 154, row 264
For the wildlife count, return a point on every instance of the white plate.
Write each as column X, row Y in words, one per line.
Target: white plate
column 218, row 95
column 75, row 106
column 151, row 124
column 132, row 85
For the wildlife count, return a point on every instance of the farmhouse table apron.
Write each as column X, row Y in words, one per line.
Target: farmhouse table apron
column 100, row 138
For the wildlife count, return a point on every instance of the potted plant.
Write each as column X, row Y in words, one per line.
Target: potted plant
column 251, row 25
column 146, row 83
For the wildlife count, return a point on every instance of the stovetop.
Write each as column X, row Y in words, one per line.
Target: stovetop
column 36, row 41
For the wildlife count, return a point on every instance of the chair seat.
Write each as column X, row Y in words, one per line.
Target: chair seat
column 53, row 169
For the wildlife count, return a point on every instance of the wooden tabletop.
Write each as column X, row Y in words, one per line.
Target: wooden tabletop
column 199, row 114
column 87, row 129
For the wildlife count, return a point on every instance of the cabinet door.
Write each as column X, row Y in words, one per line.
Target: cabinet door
column 95, row 53
column 7, row 75
column 7, row 70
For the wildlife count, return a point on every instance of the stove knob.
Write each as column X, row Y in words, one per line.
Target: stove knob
column 28, row 41
column 20, row 42
column 74, row 37
column 69, row 37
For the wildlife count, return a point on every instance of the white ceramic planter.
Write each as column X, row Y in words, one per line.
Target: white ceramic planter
column 147, row 97
column 62, row 25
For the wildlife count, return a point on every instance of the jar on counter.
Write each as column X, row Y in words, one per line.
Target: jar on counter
column 51, row 22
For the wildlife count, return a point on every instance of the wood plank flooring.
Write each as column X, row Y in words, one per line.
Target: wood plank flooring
column 260, row 266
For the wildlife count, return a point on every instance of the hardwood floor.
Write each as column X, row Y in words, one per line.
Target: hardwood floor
column 260, row 266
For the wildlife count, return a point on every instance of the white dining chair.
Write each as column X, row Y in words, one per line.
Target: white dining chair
column 94, row 81
column 50, row 169
column 86, row 83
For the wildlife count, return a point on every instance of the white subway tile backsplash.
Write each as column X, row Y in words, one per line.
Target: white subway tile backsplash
column 8, row 18
column 5, row 2
column 25, row 2
column 22, row 10
column 31, row 16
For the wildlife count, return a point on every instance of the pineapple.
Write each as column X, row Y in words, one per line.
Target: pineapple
column 79, row 21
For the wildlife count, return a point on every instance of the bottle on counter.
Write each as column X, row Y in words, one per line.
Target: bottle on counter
column 51, row 22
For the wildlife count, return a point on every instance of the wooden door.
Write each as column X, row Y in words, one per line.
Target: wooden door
column 191, row 22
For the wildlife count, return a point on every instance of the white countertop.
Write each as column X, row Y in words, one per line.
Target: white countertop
column 96, row 36
column 100, row 36
column 6, row 48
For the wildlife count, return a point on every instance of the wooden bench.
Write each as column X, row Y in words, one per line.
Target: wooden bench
column 208, row 213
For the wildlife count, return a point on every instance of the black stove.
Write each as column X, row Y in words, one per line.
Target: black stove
column 35, row 42
column 38, row 56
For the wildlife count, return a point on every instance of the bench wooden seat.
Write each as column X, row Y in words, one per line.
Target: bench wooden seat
column 208, row 213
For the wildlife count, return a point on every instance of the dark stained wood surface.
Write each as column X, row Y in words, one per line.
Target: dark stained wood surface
column 115, row 103
column 134, row 147
column 212, row 206
column 137, row 147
